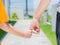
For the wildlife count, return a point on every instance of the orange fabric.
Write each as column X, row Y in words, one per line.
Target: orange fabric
column 3, row 14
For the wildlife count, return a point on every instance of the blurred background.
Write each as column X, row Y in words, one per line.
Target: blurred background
column 25, row 9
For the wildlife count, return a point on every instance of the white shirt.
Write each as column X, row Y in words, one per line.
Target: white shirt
column 58, row 7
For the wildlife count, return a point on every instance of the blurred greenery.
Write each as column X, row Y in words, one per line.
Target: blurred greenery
column 30, row 16
column 49, row 18
column 14, row 16
column 3, row 33
column 12, row 21
column 47, row 29
column 46, row 10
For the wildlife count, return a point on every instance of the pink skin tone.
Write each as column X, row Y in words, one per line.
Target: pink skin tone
column 8, row 28
column 35, row 24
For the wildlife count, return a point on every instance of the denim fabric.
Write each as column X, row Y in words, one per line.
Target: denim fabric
column 58, row 28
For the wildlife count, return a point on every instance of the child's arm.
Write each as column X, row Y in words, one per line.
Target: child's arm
column 8, row 28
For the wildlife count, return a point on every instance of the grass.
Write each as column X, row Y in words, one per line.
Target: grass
column 28, row 18
column 49, row 17
column 48, row 31
column 3, row 33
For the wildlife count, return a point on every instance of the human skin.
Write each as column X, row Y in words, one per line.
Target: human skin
column 7, row 27
column 10, row 29
column 35, row 24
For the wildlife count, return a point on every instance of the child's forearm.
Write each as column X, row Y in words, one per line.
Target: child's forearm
column 10, row 29
column 42, row 6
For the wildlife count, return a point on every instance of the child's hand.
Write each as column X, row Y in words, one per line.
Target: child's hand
column 33, row 31
column 27, row 34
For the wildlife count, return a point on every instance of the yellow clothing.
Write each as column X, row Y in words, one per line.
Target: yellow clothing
column 3, row 14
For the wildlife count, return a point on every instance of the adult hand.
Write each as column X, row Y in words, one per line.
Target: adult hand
column 35, row 26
